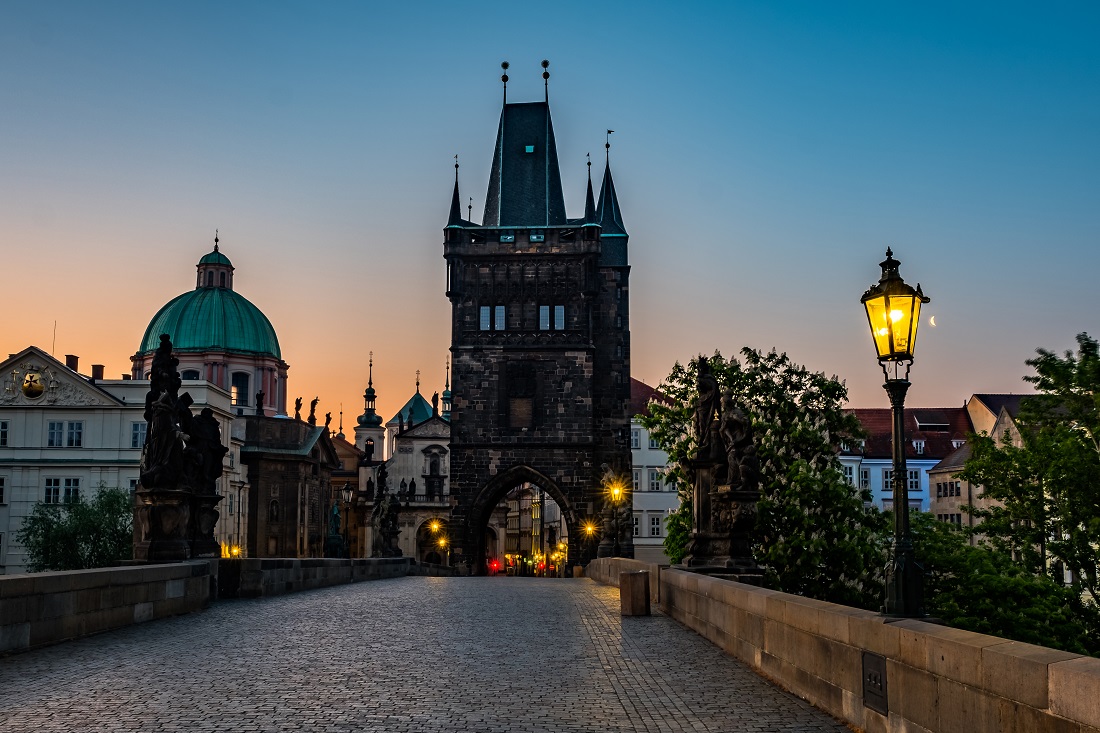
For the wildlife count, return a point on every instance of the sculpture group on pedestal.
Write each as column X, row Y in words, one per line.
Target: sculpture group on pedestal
column 384, row 519
column 181, row 462
column 725, row 475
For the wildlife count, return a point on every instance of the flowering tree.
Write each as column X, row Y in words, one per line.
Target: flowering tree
column 816, row 534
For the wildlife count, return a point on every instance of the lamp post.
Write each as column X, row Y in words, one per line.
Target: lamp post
column 345, row 494
column 893, row 312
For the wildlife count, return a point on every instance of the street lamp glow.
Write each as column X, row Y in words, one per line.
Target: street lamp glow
column 434, row 525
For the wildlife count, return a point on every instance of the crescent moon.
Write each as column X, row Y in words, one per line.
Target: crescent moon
column 932, row 321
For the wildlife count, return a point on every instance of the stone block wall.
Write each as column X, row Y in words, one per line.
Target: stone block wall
column 938, row 679
column 37, row 609
column 255, row 577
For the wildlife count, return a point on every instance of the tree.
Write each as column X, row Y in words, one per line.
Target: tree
column 817, row 535
column 1048, row 487
column 982, row 589
column 79, row 534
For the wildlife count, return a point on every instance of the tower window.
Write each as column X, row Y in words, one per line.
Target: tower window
column 189, row 374
column 222, row 278
column 551, row 317
column 209, row 279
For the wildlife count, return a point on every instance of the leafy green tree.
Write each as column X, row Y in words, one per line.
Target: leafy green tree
column 79, row 534
column 1048, row 488
column 817, row 535
column 982, row 589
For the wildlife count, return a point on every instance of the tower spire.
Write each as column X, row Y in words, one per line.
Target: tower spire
column 215, row 240
column 370, row 370
column 610, row 218
column 589, row 200
column 454, row 219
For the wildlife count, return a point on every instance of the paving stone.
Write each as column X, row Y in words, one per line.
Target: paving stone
column 416, row 655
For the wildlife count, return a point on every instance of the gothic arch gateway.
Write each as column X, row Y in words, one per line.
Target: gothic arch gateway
column 540, row 339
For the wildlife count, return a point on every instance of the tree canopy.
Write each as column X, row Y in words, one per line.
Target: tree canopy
column 817, row 534
column 1047, row 487
column 79, row 533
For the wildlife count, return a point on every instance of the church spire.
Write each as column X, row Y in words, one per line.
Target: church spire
column 455, row 217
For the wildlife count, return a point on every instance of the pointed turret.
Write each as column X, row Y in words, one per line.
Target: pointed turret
column 589, row 201
column 454, row 219
column 613, row 236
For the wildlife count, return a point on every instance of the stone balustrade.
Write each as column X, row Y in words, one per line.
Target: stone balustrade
column 933, row 679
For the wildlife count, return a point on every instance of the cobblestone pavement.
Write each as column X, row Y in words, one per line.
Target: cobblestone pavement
column 410, row 654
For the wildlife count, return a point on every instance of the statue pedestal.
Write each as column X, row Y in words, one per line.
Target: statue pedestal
column 721, row 538
column 163, row 520
column 204, row 515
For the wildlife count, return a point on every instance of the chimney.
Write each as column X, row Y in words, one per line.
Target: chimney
column 97, row 372
column 127, row 376
column 71, row 361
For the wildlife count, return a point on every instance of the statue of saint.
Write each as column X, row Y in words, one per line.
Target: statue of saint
column 297, row 408
column 706, row 407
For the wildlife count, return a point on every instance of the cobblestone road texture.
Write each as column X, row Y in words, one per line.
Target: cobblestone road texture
column 411, row 654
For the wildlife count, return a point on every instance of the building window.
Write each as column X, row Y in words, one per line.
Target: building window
column 958, row 488
column 888, row 479
column 914, row 480
column 133, row 486
column 209, row 278
column 637, row 479
column 231, row 504
column 53, row 491
column 498, row 318
column 72, row 490
column 654, row 479
column 189, row 374
column 74, row 435
column 491, row 318
column 635, row 439
column 3, row 433
column 849, row 475
column 221, row 279
column 55, row 434
column 653, row 444
column 918, row 447
column 637, row 522
column 273, row 511
column 865, row 478
column 2, row 490
column 239, row 389
column 655, row 526
column 939, row 490
column 137, row 434
column 485, row 322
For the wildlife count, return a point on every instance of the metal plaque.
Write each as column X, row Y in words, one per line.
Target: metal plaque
column 874, row 683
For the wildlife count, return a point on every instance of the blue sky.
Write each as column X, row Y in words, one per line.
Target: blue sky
column 765, row 155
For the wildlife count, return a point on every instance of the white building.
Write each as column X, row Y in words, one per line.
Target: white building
column 64, row 434
column 654, row 499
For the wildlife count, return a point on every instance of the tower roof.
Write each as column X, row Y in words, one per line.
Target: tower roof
column 525, row 182
column 610, row 218
column 417, row 406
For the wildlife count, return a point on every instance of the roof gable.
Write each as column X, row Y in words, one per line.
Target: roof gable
column 433, row 427
column 61, row 386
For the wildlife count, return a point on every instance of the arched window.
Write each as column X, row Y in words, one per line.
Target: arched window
column 273, row 511
column 223, row 280
column 209, row 278
column 189, row 374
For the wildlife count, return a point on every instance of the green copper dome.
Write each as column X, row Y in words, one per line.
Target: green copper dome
column 212, row 319
column 215, row 258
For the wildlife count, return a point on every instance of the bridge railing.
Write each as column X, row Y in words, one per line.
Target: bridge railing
column 882, row 674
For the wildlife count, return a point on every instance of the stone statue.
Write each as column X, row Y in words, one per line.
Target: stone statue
column 706, row 409
column 206, row 442
column 260, row 403
column 742, row 464
column 435, row 404
column 297, row 408
column 384, row 519
column 313, row 410
column 328, row 419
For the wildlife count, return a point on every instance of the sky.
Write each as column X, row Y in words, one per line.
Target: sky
column 765, row 155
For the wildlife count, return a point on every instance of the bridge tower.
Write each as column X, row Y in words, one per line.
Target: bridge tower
column 540, row 340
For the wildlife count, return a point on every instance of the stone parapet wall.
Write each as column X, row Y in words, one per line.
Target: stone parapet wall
column 255, row 577
column 938, row 679
column 606, row 570
column 37, row 609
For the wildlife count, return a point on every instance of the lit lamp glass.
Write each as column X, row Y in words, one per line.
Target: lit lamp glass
column 893, row 312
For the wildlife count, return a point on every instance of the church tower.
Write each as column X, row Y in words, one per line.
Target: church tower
column 540, row 340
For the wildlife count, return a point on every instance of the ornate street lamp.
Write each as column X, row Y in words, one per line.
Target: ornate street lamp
column 345, row 494
column 893, row 312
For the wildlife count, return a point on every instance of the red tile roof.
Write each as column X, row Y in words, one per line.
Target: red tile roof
column 641, row 394
column 937, row 427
